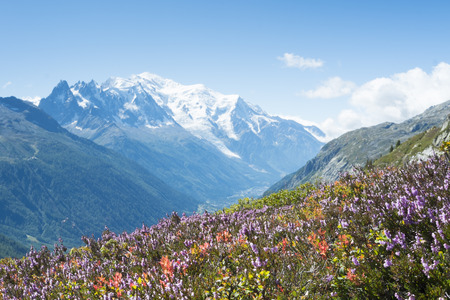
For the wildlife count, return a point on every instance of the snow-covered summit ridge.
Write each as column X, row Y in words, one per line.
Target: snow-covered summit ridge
column 150, row 101
column 204, row 112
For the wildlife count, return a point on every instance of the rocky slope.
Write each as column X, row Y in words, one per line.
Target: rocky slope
column 419, row 147
column 360, row 146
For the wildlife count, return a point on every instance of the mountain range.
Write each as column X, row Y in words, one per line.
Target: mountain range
column 214, row 147
column 361, row 146
column 54, row 184
column 132, row 150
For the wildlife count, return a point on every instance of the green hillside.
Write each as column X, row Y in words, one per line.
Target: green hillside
column 420, row 146
column 54, row 184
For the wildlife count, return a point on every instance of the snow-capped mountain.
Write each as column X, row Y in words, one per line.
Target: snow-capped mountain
column 151, row 111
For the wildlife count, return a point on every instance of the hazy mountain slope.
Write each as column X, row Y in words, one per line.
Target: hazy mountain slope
column 55, row 184
column 174, row 155
column 209, row 145
column 11, row 248
column 189, row 164
column 359, row 146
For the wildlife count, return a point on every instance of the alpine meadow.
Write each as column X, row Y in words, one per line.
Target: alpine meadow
column 224, row 150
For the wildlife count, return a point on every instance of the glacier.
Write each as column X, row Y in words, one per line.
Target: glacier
column 230, row 142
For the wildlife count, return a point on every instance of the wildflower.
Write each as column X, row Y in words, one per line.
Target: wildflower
column 426, row 267
column 258, row 263
column 117, row 279
column 323, row 247
column 224, row 236
column 166, row 266
column 204, row 248
column 312, row 238
column 285, row 243
column 343, row 224
column 188, row 243
column 387, row 263
column 351, row 275
column 254, row 248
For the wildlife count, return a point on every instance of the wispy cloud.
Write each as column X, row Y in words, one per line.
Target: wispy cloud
column 294, row 61
column 394, row 99
column 332, row 88
column 6, row 84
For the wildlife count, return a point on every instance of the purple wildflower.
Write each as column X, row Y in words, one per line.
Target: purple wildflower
column 355, row 261
column 254, row 248
column 387, row 263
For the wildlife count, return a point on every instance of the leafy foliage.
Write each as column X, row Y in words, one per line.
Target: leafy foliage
column 379, row 234
column 282, row 198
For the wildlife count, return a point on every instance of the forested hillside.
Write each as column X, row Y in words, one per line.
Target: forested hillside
column 54, row 184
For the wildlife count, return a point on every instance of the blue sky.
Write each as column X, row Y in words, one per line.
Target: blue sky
column 340, row 64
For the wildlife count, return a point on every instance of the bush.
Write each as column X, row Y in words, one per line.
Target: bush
column 382, row 233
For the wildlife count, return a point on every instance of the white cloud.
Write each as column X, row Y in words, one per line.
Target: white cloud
column 392, row 99
column 6, row 84
column 402, row 95
column 332, row 88
column 347, row 120
column 294, row 61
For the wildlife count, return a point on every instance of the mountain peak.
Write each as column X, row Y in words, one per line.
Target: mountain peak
column 92, row 83
column 226, row 122
column 82, row 84
column 62, row 85
column 62, row 92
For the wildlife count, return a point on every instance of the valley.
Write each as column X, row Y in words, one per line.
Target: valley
column 206, row 144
